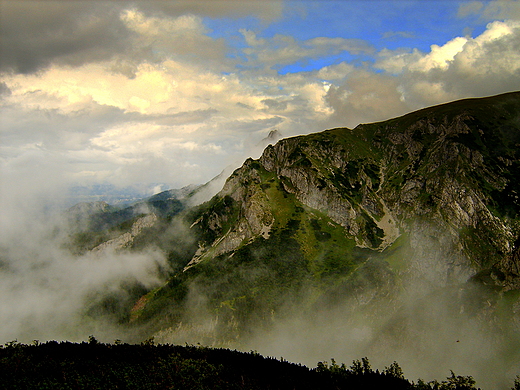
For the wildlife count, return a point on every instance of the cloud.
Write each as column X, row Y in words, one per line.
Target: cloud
column 284, row 49
column 183, row 37
column 4, row 89
column 492, row 10
column 37, row 34
column 275, row 104
column 470, row 8
column 266, row 11
column 162, row 90
column 45, row 290
column 439, row 56
column 336, row 72
column 485, row 65
column 364, row 97
column 173, row 106
column 183, row 118
column 394, row 35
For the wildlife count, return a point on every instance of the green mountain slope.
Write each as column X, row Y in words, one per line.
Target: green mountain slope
column 403, row 222
column 340, row 208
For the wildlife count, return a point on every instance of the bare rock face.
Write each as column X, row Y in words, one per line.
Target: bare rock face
column 125, row 240
column 445, row 172
column 253, row 216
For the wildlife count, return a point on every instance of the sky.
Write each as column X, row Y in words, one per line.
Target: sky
column 153, row 95
column 126, row 98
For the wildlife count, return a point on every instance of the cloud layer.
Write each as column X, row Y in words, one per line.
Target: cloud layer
column 111, row 92
column 163, row 94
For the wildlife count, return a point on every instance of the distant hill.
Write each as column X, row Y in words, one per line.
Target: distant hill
column 93, row 223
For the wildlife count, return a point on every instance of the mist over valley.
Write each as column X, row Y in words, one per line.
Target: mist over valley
column 396, row 240
column 195, row 193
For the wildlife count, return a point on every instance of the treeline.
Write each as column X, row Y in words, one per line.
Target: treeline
column 95, row 365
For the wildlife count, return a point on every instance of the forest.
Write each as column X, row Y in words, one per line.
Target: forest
column 95, row 365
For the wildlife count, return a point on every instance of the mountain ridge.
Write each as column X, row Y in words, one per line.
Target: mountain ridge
column 316, row 185
column 407, row 227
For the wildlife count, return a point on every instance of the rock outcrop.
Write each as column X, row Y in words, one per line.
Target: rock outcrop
column 448, row 171
column 126, row 239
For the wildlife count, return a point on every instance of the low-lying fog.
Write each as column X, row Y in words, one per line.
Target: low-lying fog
column 46, row 292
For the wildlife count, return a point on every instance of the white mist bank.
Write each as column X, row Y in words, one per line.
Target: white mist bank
column 426, row 319
column 426, row 339
column 45, row 289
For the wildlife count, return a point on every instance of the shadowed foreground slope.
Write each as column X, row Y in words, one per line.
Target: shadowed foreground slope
column 95, row 365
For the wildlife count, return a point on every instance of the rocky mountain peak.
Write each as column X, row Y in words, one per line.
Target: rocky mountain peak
column 405, row 222
column 450, row 165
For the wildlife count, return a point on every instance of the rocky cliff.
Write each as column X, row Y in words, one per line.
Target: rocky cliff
column 445, row 176
column 418, row 213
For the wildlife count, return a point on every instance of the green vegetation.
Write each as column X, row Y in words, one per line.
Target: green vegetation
column 308, row 232
column 265, row 278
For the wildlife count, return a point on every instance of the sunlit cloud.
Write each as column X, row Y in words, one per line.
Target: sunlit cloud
column 163, row 94
column 165, row 84
column 484, row 65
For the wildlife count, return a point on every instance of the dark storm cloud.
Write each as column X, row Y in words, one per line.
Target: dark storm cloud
column 38, row 33
column 265, row 10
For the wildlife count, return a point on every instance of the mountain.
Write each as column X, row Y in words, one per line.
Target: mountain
column 98, row 225
column 452, row 167
column 177, row 194
column 412, row 223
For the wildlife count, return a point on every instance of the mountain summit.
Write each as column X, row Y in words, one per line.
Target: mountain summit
column 448, row 172
column 419, row 213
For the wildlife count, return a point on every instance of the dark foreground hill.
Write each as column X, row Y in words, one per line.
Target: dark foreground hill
column 95, row 365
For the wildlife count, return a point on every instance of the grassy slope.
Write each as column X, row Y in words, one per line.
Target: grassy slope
column 307, row 258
